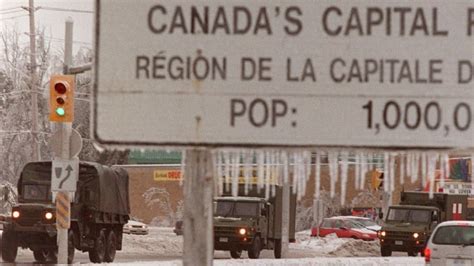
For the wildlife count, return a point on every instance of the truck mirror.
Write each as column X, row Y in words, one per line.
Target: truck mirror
column 434, row 217
column 263, row 212
column 380, row 215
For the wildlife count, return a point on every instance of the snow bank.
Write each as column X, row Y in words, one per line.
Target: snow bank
column 159, row 241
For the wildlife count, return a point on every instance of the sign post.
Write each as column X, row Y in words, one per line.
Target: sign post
column 281, row 74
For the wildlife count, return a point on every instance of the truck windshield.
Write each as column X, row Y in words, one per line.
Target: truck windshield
column 36, row 192
column 236, row 209
column 409, row 215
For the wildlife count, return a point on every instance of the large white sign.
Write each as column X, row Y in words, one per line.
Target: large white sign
column 285, row 73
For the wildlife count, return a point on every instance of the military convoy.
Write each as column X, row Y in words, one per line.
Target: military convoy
column 251, row 222
column 408, row 225
column 98, row 212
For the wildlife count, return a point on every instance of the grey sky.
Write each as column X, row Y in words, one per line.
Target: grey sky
column 52, row 21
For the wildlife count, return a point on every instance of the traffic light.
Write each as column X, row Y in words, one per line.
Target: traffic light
column 376, row 180
column 61, row 98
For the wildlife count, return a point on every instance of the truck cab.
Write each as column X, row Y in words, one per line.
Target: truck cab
column 240, row 223
column 98, row 212
column 251, row 222
column 407, row 228
column 409, row 225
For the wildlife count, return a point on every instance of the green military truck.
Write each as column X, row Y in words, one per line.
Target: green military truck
column 99, row 211
column 408, row 226
column 251, row 222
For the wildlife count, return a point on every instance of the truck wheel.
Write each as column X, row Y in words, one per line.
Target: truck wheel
column 254, row 250
column 9, row 246
column 277, row 250
column 386, row 251
column 235, row 254
column 97, row 253
column 40, row 255
column 70, row 247
column 52, row 255
column 111, row 247
column 412, row 253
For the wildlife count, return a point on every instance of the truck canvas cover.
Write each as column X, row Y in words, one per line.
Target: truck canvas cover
column 108, row 186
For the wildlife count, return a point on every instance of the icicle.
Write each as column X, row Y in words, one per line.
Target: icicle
column 408, row 165
column 215, row 173
column 416, row 167
column 275, row 171
column 247, row 170
column 183, row 163
column 227, row 170
column 392, row 172
column 261, row 169
column 370, row 159
column 295, row 172
column 431, row 172
column 386, row 174
column 344, row 170
column 402, row 169
column 447, row 167
column 333, row 171
column 424, row 159
column 235, row 173
column 363, row 171
column 219, row 173
column 267, row 174
column 317, row 176
column 357, row 171
column 442, row 170
column 307, row 160
column 285, row 168
column 472, row 173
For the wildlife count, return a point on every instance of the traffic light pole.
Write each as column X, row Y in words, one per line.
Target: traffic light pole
column 65, row 129
column 62, row 229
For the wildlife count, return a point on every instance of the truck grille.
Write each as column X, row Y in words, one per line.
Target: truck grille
column 399, row 235
column 224, row 231
column 29, row 217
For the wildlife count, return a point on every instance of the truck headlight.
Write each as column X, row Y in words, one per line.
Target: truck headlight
column 242, row 231
column 382, row 233
column 416, row 235
column 48, row 216
column 15, row 214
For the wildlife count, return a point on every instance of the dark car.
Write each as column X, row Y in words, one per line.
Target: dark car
column 178, row 228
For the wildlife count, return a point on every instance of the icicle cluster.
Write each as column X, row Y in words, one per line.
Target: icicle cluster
column 267, row 168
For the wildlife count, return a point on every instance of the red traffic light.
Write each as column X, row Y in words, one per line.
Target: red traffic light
column 60, row 88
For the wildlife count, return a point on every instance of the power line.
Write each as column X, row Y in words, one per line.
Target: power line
column 62, row 40
column 66, row 10
column 11, row 11
column 14, row 17
column 10, row 8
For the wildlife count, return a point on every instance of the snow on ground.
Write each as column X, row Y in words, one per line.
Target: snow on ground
column 329, row 250
column 332, row 246
column 159, row 241
column 392, row 261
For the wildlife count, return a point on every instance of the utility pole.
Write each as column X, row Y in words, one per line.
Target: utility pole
column 34, row 96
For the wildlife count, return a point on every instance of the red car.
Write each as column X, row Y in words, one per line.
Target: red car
column 344, row 228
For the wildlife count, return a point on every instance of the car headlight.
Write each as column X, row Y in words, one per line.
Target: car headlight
column 15, row 214
column 242, row 231
column 48, row 216
column 416, row 235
